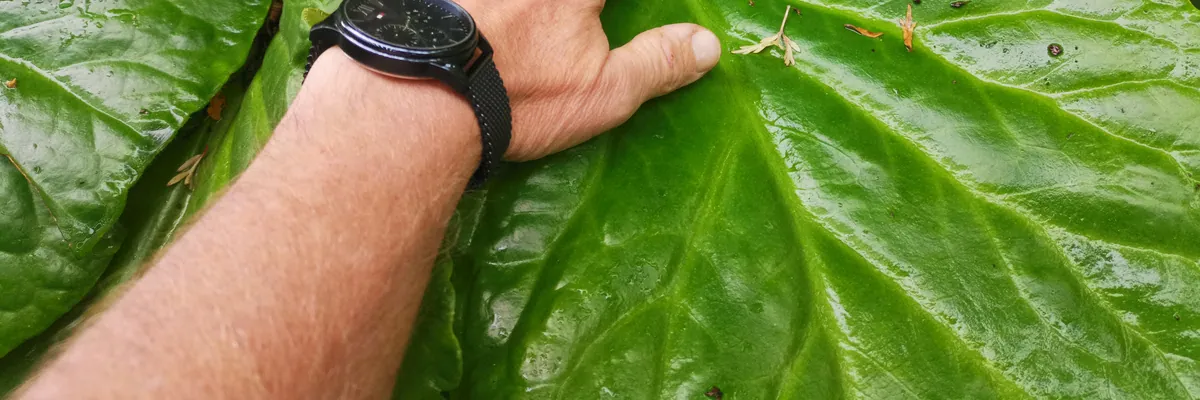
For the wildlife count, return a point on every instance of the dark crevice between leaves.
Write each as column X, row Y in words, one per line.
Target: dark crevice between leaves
column 152, row 215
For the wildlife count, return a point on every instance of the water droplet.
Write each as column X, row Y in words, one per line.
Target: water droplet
column 65, row 4
column 37, row 169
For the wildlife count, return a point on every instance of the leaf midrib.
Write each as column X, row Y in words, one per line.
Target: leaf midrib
column 765, row 147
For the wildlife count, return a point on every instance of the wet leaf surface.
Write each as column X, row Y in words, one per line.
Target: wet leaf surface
column 76, row 138
column 877, row 225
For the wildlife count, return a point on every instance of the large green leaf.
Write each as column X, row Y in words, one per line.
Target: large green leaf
column 433, row 364
column 154, row 213
column 972, row 219
column 101, row 87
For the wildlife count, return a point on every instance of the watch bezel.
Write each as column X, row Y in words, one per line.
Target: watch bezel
column 401, row 61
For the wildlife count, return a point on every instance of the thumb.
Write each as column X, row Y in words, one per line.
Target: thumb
column 657, row 62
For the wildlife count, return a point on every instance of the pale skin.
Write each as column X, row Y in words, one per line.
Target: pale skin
column 303, row 280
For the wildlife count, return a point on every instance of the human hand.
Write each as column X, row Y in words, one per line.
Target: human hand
column 565, row 85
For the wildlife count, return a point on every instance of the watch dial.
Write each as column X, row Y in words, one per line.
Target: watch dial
column 419, row 24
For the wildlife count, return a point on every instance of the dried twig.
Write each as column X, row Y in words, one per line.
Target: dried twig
column 863, row 31
column 188, row 170
column 779, row 40
column 908, row 25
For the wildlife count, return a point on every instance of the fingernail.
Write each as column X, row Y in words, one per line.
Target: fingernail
column 707, row 49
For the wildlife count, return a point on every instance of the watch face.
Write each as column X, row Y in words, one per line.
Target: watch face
column 416, row 24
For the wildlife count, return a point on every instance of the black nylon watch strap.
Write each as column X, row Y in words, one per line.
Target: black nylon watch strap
column 490, row 100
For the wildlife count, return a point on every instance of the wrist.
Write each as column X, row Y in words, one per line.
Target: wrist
column 388, row 120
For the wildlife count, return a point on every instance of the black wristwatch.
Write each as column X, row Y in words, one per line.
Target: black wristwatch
column 425, row 39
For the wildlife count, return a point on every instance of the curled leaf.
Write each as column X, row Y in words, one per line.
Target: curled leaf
column 862, row 31
column 908, row 25
column 313, row 16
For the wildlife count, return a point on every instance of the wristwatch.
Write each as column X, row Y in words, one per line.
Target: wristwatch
column 425, row 39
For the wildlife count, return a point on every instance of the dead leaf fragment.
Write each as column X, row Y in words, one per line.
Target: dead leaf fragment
column 187, row 170
column 275, row 11
column 908, row 25
column 716, row 393
column 779, row 40
column 11, row 84
column 789, row 49
column 216, row 106
column 863, row 31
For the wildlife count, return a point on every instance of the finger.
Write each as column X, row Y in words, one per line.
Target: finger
column 657, row 62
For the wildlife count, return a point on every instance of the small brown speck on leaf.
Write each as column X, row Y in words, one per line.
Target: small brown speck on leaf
column 862, row 31
column 143, row 112
column 959, row 4
column 714, row 393
column 751, row 3
column 955, row 82
column 1054, row 49
column 11, row 84
column 1176, row 316
column 916, row 1
column 216, row 106
column 908, row 25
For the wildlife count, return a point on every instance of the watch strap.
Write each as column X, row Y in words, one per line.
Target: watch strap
column 488, row 97
column 314, row 52
column 486, row 93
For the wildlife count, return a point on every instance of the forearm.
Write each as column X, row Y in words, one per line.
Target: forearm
column 305, row 277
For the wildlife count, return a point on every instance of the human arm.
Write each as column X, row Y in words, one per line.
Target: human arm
column 303, row 280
